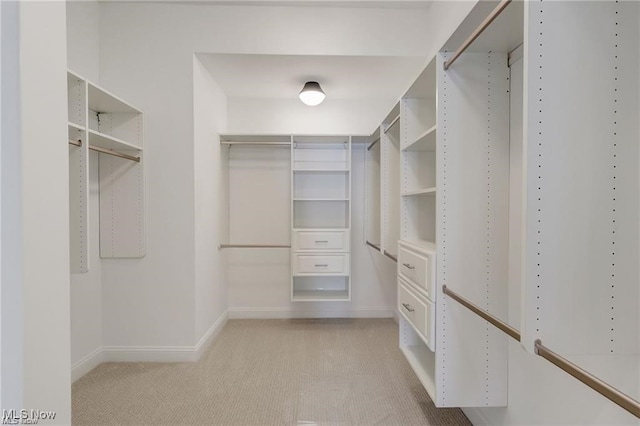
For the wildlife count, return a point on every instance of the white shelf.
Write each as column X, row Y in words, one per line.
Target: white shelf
column 320, row 199
column 422, row 361
column 320, row 228
column 102, row 101
column 425, row 142
column 320, row 171
column 75, row 126
column 109, row 142
column 425, row 191
column 424, row 244
column 320, row 295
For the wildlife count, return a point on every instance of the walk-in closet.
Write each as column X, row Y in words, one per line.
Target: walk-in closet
column 354, row 212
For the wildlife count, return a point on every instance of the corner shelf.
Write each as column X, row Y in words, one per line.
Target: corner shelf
column 109, row 142
column 102, row 101
column 75, row 126
column 425, row 142
column 425, row 191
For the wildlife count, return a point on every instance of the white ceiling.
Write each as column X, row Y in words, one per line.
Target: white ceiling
column 341, row 77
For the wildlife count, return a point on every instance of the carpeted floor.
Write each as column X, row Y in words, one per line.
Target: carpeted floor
column 269, row 372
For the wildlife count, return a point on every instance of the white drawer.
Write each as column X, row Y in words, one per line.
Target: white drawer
column 321, row 241
column 320, row 264
column 419, row 311
column 418, row 268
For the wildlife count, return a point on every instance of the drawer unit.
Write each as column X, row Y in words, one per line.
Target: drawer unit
column 418, row 310
column 320, row 264
column 321, row 240
column 418, row 268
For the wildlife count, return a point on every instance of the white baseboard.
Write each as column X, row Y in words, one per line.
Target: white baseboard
column 476, row 417
column 211, row 335
column 87, row 364
column 282, row 313
column 148, row 353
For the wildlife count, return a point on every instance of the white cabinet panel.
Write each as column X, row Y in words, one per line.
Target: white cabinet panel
column 329, row 264
column 310, row 240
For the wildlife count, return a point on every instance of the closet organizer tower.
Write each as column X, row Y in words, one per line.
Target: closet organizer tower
column 320, row 210
column 516, row 187
column 100, row 121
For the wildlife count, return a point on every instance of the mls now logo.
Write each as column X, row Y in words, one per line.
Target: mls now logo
column 26, row 417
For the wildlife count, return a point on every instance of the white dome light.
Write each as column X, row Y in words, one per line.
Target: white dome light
column 312, row 94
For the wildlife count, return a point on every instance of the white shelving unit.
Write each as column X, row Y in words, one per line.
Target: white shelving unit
column 581, row 291
column 99, row 120
column 321, row 218
column 373, row 227
column 78, row 173
column 390, row 182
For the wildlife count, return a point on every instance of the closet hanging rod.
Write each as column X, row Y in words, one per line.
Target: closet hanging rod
column 395, row 120
column 254, row 143
column 76, row 143
column 377, row 247
column 476, row 33
column 603, row 388
column 226, row 246
column 114, row 153
column 390, row 256
column 503, row 326
column 373, row 144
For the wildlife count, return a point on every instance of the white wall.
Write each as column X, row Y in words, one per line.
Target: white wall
column 146, row 56
column 11, row 320
column 338, row 116
column 45, row 188
column 83, row 38
column 210, row 118
column 86, row 289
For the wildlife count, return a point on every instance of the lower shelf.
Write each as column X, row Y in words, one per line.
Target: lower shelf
column 320, row 288
column 421, row 359
column 320, row 295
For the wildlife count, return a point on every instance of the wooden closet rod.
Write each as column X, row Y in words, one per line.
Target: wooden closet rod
column 476, row 33
column 603, row 388
column 377, row 247
column 395, row 120
column 482, row 313
column 390, row 256
column 106, row 151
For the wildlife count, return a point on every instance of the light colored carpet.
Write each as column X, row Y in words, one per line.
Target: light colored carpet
column 269, row 372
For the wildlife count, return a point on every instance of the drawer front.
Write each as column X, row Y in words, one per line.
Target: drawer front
column 418, row 269
column 419, row 311
column 333, row 264
column 321, row 240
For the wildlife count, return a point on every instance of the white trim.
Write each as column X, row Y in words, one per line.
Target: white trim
column 280, row 313
column 476, row 416
column 211, row 335
column 149, row 353
column 87, row 364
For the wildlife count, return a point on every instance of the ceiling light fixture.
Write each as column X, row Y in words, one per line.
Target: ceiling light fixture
column 312, row 94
